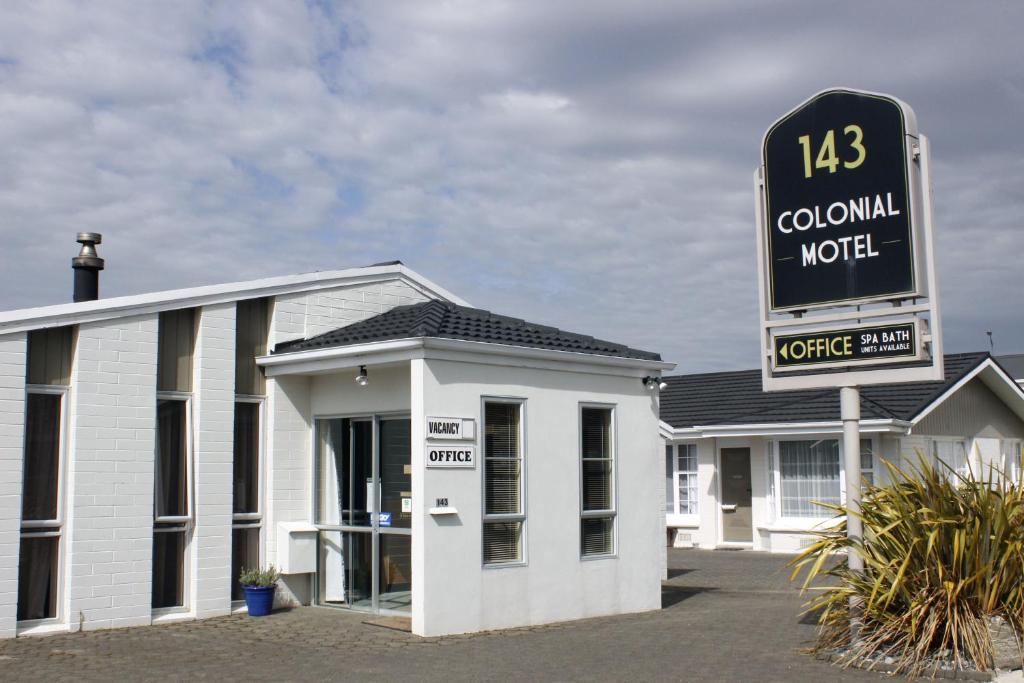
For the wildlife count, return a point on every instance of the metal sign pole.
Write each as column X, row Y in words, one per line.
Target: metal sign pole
column 849, row 407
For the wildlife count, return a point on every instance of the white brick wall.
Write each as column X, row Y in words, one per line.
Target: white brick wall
column 307, row 315
column 110, row 506
column 213, row 429
column 12, row 425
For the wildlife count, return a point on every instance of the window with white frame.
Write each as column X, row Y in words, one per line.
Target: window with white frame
column 504, row 516
column 42, row 511
column 867, row 462
column 953, row 453
column 808, row 475
column 597, row 481
column 681, row 493
column 1011, row 452
column 173, row 518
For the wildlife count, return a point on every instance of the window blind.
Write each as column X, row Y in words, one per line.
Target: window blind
column 597, row 494
column 502, row 538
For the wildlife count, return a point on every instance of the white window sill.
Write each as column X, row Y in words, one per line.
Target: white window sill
column 798, row 525
column 171, row 614
column 41, row 627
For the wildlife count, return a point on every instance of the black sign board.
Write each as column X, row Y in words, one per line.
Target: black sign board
column 843, row 346
column 838, row 203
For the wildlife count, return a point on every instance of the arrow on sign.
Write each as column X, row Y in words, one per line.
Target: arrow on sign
column 783, row 351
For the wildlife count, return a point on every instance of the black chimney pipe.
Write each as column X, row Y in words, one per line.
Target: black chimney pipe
column 87, row 266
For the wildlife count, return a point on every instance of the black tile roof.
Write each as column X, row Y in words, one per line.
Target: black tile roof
column 444, row 320
column 734, row 398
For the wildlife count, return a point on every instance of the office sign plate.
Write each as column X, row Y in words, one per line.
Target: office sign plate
column 838, row 202
column 451, row 456
column 852, row 346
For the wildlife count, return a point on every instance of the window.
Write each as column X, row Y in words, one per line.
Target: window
column 172, row 504
column 867, row 463
column 504, row 517
column 48, row 372
column 1011, row 451
column 681, row 493
column 172, row 500
column 252, row 327
column 246, row 517
column 597, row 495
column 808, row 474
column 953, row 453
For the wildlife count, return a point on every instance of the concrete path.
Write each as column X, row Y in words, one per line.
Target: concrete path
column 728, row 616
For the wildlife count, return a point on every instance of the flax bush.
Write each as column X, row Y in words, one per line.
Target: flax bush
column 943, row 555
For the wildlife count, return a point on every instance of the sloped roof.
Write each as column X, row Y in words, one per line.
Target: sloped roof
column 736, row 398
column 1013, row 364
column 445, row 320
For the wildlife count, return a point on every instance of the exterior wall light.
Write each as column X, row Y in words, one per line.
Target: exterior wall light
column 362, row 379
column 653, row 383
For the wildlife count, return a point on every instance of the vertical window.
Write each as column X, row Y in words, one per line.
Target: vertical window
column 172, row 499
column 252, row 327
column 597, row 494
column 867, row 463
column 670, row 479
column 808, row 474
column 954, row 454
column 48, row 371
column 681, row 479
column 246, row 517
column 504, row 517
column 172, row 505
column 687, row 469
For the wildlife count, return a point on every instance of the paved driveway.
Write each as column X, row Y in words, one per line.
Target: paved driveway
column 728, row 616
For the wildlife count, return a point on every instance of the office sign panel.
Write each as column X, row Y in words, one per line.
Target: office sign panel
column 853, row 346
column 451, row 456
column 838, row 201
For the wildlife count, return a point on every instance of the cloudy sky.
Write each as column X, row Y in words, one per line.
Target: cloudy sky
column 583, row 164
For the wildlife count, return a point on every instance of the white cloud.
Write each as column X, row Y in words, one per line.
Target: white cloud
column 583, row 164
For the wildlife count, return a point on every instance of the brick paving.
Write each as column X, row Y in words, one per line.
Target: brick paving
column 728, row 616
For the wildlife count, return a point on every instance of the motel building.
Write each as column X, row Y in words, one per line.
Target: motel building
column 745, row 468
column 390, row 448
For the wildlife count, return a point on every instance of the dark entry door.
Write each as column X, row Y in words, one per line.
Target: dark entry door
column 737, row 518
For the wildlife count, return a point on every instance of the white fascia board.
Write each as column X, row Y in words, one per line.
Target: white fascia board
column 489, row 349
column 994, row 378
column 787, row 429
column 141, row 304
column 327, row 360
column 340, row 358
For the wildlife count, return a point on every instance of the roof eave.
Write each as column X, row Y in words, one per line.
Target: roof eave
column 21, row 320
column 872, row 426
column 339, row 358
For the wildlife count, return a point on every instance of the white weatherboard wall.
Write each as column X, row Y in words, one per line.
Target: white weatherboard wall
column 12, row 435
column 110, row 508
column 213, row 448
column 457, row 594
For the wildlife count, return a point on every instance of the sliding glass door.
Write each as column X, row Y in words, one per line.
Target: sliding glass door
column 364, row 512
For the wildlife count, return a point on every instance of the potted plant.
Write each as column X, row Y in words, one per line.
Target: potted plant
column 259, row 585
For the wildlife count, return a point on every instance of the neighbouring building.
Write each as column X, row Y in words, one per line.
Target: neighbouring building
column 1014, row 366
column 745, row 468
column 390, row 448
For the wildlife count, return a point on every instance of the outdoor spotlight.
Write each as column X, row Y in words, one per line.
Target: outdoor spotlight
column 663, row 386
column 361, row 379
column 650, row 382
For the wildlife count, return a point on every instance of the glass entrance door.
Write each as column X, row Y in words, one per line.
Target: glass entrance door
column 364, row 513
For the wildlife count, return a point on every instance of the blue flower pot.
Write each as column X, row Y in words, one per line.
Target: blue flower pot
column 259, row 600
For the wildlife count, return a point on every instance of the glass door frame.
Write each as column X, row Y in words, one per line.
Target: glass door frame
column 374, row 528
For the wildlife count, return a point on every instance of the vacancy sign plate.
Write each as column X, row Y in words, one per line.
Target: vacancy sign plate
column 855, row 346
